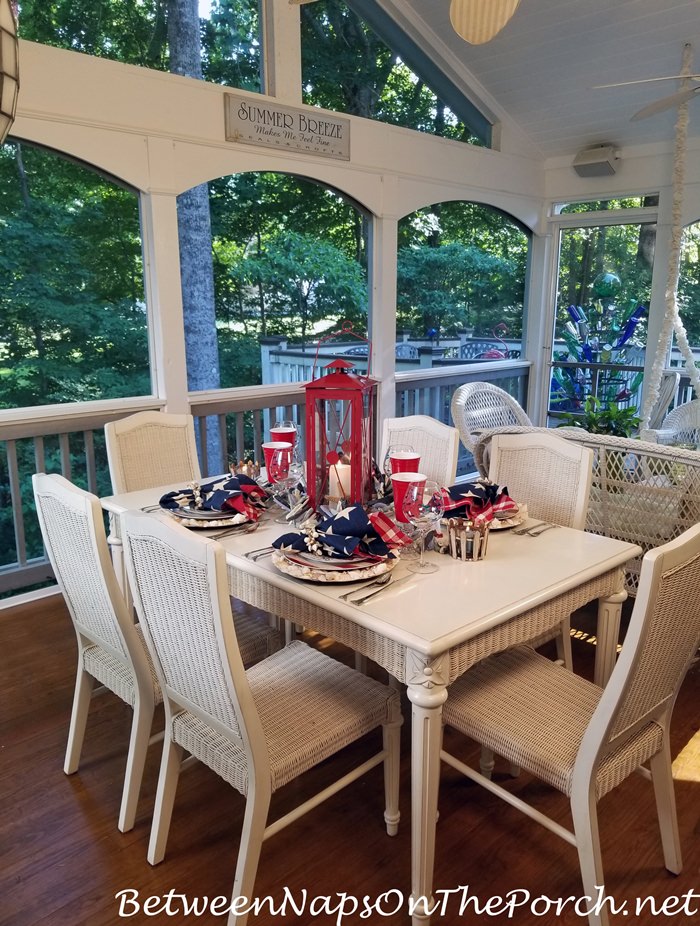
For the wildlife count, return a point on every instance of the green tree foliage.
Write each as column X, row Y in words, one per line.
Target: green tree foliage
column 346, row 67
column 587, row 252
column 308, row 282
column 288, row 259
column 440, row 284
column 74, row 325
column 689, row 283
column 231, row 45
column 123, row 31
column 461, row 265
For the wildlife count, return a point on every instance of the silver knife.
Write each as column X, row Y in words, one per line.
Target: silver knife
column 384, row 588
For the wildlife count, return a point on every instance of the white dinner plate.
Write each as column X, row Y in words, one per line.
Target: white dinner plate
column 327, row 563
column 219, row 519
column 313, row 574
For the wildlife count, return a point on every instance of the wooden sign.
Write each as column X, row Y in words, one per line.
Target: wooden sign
column 286, row 127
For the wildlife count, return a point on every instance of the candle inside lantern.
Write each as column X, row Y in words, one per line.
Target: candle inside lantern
column 339, row 480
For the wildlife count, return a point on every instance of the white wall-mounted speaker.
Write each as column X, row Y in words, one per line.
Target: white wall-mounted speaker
column 598, row 161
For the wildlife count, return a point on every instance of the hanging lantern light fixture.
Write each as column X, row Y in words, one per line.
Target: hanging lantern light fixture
column 478, row 21
column 9, row 67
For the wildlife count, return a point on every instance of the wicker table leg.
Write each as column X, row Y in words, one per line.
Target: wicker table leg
column 427, row 691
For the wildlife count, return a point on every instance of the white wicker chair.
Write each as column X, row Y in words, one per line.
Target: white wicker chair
column 437, row 444
column 110, row 646
column 478, row 407
column 642, row 492
column 553, row 477
column 668, row 390
column 584, row 740
column 151, row 449
column 551, row 474
column 258, row 729
column 680, row 426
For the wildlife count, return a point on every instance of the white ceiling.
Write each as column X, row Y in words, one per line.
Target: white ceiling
column 539, row 72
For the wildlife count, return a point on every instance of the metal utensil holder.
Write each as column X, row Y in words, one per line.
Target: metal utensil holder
column 467, row 540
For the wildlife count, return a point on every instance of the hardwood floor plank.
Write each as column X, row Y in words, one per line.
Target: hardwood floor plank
column 63, row 859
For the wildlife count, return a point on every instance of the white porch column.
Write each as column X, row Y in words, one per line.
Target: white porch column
column 383, row 241
column 282, row 51
column 659, row 280
column 539, row 333
column 164, row 299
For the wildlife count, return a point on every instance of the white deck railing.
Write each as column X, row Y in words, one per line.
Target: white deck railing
column 70, row 440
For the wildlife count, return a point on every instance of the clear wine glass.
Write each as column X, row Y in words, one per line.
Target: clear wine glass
column 424, row 507
column 285, row 473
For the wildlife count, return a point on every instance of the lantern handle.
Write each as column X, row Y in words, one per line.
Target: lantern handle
column 345, row 329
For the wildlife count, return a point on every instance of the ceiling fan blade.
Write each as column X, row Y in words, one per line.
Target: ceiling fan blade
column 647, row 80
column 668, row 102
column 478, row 21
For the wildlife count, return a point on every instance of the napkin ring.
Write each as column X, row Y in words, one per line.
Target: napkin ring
column 467, row 540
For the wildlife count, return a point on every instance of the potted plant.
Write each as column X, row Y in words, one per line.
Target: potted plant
column 597, row 418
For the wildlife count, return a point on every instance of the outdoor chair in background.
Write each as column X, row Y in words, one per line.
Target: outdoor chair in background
column 151, row 449
column 582, row 739
column 668, row 390
column 437, row 444
column 479, row 407
column 258, row 729
column 680, row 427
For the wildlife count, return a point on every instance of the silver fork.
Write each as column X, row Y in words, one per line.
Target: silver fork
column 256, row 554
column 382, row 580
column 527, row 528
column 235, row 530
column 541, row 529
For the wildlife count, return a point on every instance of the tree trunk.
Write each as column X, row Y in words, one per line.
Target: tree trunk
column 647, row 238
column 194, row 230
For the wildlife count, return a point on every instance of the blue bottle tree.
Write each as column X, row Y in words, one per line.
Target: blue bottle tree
column 597, row 338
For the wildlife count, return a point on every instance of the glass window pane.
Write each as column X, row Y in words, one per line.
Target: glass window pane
column 689, row 294
column 228, row 39
column 289, row 266
column 461, row 284
column 604, row 205
column 602, row 305
column 71, row 283
column 346, row 67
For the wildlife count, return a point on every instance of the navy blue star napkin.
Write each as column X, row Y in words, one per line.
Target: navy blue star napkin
column 480, row 501
column 233, row 493
column 349, row 533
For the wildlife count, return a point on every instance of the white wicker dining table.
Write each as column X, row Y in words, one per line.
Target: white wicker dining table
column 433, row 627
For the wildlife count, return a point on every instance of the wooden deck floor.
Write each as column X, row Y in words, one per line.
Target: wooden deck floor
column 63, row 859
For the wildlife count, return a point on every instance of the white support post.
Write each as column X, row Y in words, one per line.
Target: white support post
column 282, row 51
column 164, row 299
column 657, row 302
column 539, row 334
column 383, row 242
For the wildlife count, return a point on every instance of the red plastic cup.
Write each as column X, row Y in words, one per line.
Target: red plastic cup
column 270, row 447
column 400, row 482
column 284, row 434
column 404, row 461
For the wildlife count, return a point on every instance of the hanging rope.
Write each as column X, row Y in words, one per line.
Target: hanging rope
column 672, row 319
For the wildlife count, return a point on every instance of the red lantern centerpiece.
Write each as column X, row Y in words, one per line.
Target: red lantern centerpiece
column 339, row 435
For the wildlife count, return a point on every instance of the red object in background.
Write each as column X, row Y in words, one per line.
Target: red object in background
column 339, row 430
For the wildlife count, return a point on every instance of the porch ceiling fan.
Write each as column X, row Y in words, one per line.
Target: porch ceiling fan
column 476, row 21
column 670, row 101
